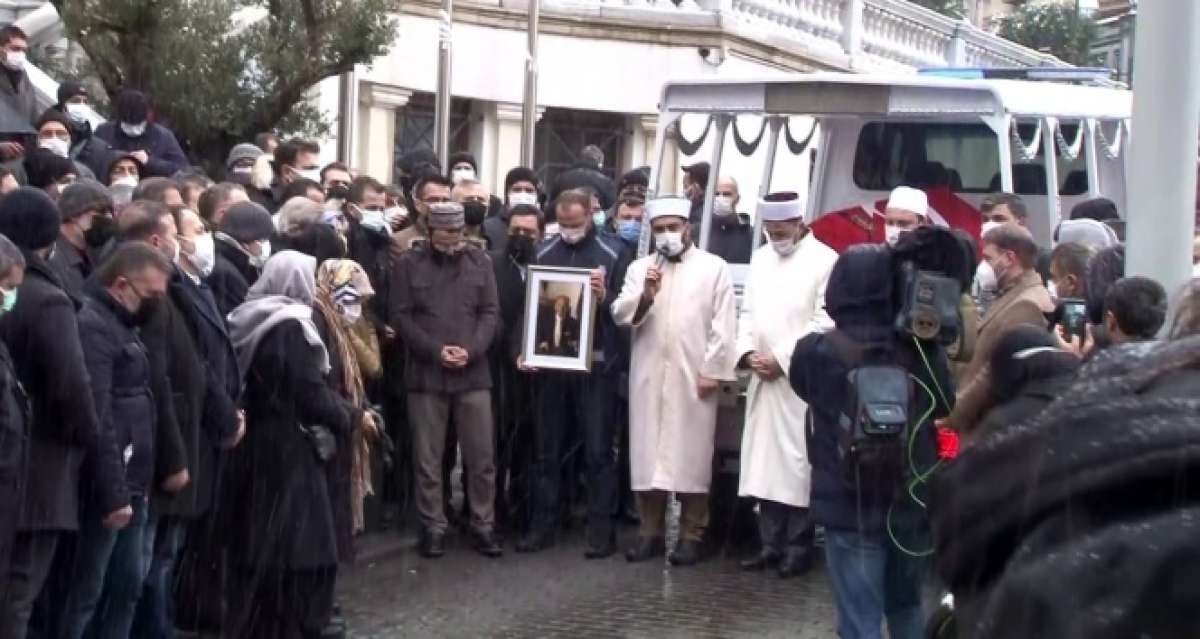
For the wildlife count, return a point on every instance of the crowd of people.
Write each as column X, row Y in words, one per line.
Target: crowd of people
column 204, row 387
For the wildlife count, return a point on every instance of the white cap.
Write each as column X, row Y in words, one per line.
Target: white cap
column 782, row 207
column 668, row 207
column 909, row 199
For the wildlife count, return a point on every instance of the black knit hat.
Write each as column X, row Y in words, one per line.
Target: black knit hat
column 53, row 115
column 29, row 218
column 247, row 222
column 413, row 160
column 83, row 196
column 69, row 89
column 636, row 177
column 521, row 174
column 464, row 156
column 43, row 168
column 132, row 106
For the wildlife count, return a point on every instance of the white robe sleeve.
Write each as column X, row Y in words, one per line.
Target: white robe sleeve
column 745, row 321
column 722, row 333
column 625, row 306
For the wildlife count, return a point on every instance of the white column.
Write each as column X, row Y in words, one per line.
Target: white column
column 508, row 139
column 377, row 134
column 1166, row 124
column 852, row 28
column 483, row 144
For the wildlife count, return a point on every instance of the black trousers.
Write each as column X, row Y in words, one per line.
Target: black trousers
column 280, row 604
column 513, row 407
column 33, row 555
column 784, row 528
column 580, row 402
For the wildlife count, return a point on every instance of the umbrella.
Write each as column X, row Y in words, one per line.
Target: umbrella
column 13, row 123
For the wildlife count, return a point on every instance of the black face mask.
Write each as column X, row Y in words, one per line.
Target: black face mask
column 520, row 248
column 338, row 192
column 146, row 309
column 474, row 212
column 102, row 230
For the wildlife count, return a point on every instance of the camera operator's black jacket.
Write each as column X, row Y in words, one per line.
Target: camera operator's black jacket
column 859, row 298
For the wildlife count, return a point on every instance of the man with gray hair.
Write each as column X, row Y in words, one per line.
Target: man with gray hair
column 87, row 226
column 443, row 306
column 474, row 197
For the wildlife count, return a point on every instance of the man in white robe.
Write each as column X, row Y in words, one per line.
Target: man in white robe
column 680, row 302
column 783, row 301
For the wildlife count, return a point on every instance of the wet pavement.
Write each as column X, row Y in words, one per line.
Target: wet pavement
column 392, row 592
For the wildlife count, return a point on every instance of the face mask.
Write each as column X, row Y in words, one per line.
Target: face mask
column 458, row 175
column 473, row 213
column 985, row 279
column 126, row 181
column 987, row 227
column 134, row 130
column 351, row 313
column 146, row 309
column 784, row 247
column 599, row 218
column 629, row 230
column 573, row 235
column 1196, row 271
column 723, row 206
column 57, row 146
column 260, row 260
column 520, row 248
column 396, row 216
column 375, row 221
column 100, row 232
column 669, row 243
column 516, row 198
column 337, row 192
column 175, row 253
column 15, row 60
column 205, row 256
column 10, row 299
column 892, row 234
column 77, row 112
column 307, row 174
column 1052, row 288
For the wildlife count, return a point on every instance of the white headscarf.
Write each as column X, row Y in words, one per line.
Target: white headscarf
column 1090, row 233
column 285, row 291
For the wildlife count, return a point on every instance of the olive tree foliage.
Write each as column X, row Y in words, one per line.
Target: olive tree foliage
column 1054, row 28
column 220, row 71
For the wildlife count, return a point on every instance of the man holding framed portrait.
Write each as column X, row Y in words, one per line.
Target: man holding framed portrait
column 570, row 340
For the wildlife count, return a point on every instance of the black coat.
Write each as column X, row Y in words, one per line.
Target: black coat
column 231, row 278
column 73, row 268
column 1078, row 522
column 14, row 449
column 730, row 240
column 119, row 369
column 510, row 294
column 43, row 337
column 581, row 175
column 280, row 513
column 166, row 158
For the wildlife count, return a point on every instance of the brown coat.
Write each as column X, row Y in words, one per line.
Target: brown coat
column 1026, row 302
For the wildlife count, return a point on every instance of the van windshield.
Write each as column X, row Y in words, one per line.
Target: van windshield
column 923, row 155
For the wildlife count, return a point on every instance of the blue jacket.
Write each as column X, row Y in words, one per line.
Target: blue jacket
column 166, row 158
column 594, row 251
column 119, row 369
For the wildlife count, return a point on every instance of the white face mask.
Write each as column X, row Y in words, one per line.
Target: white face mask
column 985, row 279
column 395, row 215
column 308, row 174
column 260, row 260
column 77, row 112
column 134, row 130
column 57, row 146
column 1196, row 271
column 204, row 257
column 126, row 181
column 1052, row 288
column 516, row 198
column 784, row 247
column 375, row 220
column 723, row 206
column 351, row 312
column 458, row 175
column 573, row 235
column 669, row 242
column 892, row 234
column 14, row 60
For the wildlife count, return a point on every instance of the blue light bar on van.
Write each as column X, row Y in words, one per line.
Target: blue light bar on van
column 1060, row 74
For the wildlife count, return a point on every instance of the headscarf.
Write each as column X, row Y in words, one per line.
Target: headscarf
column 1090, row 233
column 340, row 282
column 283, row 292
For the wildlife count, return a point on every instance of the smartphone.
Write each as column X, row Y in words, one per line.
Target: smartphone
column 1073, row 318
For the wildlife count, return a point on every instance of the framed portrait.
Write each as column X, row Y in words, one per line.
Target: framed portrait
column 560, row 319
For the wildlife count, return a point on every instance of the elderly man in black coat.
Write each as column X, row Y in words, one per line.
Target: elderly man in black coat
column 243, row 246
column 43, row 337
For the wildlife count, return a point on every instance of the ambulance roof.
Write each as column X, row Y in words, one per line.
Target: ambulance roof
column 854, row 95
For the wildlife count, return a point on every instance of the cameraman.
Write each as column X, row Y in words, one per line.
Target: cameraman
column 868, row 520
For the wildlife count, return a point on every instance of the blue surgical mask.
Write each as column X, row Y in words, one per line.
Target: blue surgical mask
column 10, row 299
column 629, row 230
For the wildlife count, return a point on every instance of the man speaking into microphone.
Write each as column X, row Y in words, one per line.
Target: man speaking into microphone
column 680, row 302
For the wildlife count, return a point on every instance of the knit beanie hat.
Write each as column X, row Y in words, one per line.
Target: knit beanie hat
column 243, row 151
column 520, row 174
column 446, row 215
column 247, row 222
column 29, row 218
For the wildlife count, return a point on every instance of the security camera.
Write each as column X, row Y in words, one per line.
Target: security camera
column 712, row 56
